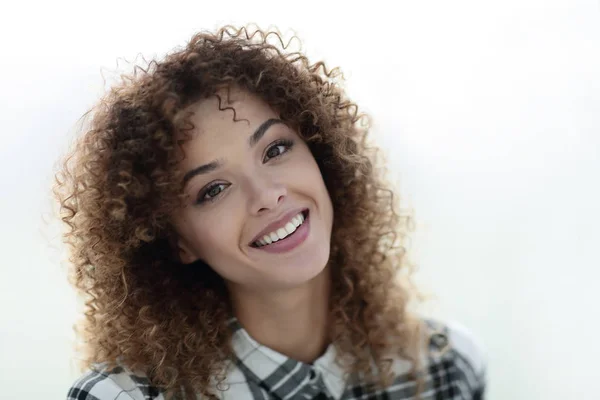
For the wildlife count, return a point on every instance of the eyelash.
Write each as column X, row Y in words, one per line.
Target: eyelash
column 287, row 143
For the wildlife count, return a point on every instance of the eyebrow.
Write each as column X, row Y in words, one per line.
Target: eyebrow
column 216, row 164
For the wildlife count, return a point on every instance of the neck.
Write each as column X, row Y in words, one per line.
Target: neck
column 292, row 322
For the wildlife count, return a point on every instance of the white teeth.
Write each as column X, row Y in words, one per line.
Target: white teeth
column 281, row 233
column 290, row 228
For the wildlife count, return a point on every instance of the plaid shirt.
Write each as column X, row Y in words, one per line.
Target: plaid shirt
column 454, row 369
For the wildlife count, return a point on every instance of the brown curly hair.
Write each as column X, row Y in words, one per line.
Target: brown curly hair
column 119, row 184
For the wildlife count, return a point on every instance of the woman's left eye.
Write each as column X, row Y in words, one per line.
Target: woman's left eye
column 278, row 148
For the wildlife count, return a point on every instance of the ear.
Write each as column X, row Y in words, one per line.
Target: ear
column 185, row 253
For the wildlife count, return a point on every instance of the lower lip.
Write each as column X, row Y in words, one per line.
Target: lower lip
column 290, row 242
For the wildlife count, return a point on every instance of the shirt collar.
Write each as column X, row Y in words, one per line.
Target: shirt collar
column 285, row 377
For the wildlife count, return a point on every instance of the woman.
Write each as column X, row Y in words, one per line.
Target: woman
column 235, row 238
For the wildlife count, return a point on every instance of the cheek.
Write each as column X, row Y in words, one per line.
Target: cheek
column 216, row 236
column 306, row 169
column 313, row 174
column 321, row 190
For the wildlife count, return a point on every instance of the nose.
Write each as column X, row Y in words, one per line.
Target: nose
column 265, row 194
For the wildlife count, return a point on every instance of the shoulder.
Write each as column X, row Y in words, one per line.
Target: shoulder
column 456, row 351
column 119, row 383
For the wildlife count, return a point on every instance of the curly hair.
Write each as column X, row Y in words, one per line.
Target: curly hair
column 119, row 184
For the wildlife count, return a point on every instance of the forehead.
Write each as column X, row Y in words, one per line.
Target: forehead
column 219, row 111
column 223, row 121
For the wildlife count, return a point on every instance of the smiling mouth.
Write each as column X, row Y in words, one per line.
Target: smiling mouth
column 257, row 245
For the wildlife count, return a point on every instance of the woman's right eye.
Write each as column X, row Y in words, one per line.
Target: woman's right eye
column 211, row 193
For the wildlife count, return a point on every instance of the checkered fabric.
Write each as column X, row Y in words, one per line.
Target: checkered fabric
column 454, row 369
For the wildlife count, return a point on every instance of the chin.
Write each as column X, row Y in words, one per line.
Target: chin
column 305, row 270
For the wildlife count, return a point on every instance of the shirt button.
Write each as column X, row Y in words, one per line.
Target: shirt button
column 441, row 341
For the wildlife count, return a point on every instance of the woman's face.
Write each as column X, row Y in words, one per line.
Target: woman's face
column 247, row 181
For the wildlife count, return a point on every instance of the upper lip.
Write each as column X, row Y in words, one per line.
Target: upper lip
column 278, row 223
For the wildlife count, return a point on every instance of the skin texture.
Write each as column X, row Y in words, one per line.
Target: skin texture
column 257, row 189
column 256, row 186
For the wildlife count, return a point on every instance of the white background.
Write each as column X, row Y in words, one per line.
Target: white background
column 490, row 112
